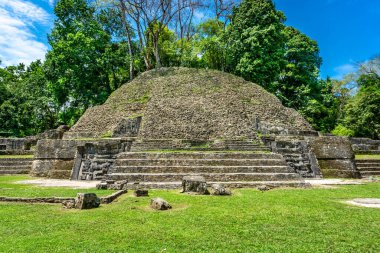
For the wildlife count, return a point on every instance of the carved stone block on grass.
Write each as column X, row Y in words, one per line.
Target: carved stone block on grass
column 87, row 201
column 194, row 184
column 141, row 193
column 219, row 189
column 160, row 204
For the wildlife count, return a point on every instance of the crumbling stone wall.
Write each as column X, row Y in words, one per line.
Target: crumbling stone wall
column 15, row 146
column 365, row 145
column 297, row 153
column 94, row 160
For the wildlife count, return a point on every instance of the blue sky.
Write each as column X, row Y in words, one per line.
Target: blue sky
column 347, row 31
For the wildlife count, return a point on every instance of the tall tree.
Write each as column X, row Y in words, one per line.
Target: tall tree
column 75, row 66
column 26, row 106
column 256, row 41
column 362, row 113
column 299, row 80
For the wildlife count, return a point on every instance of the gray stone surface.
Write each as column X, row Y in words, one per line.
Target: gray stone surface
column 335, row 157
column 219, row 189
column 333, row 147
column 160, row 204
column 112, row 185
column 263, row 188
column 195, row 184
column 141, row 193
column 183, row 103
column 86, row 201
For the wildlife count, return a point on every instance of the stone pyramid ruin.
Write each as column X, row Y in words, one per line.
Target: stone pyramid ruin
column 175, row 122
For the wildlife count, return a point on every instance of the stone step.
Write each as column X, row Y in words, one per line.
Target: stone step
column 105, row 157
column 14, row 171
column 370, row 173
column 369, row 168
column 367, row 160
column 368, row 164
column 236, row 184
column 60, row 174
column 101, row 161
column 15, row 162
column 287, row 152
column 202, row 169
column 197, row 155
column 193, row 162
column 225, row 177
column 16, row 167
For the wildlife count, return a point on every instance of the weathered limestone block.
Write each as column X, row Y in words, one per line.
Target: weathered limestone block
column 263, row 188
column 335, row 156
column 112, row 185
column 86, row 201
column 339, row 168
column 141, row 193
column 68, row 204
column 58, row 149
column 44, row 168
column 160, row 204
column 219, row 189
column 196, row 184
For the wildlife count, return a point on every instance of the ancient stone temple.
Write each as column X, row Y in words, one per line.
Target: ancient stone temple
column 174, row 122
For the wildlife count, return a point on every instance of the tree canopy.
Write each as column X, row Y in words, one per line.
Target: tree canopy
column 96, row 46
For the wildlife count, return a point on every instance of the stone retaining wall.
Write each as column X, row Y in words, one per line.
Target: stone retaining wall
column 335, row 156
column 365, row 145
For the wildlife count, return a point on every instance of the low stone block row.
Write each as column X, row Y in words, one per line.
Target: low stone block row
column 15, row 166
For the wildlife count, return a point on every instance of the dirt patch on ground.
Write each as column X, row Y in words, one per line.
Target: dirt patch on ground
column 60, row 183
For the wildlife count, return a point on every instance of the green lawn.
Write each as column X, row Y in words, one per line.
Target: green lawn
column 8, row 188
column 281, row 220
column 364, row 157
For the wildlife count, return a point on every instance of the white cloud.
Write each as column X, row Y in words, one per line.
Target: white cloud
column 17, row 41
column 343, row 70
column 52, row 3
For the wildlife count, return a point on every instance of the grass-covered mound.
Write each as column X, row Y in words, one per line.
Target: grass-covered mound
column 183, row 103
column 280, row 220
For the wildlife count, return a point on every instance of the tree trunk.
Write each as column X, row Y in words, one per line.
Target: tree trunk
column 156, row 50
column 129, row 40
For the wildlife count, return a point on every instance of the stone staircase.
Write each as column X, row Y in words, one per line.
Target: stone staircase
column 165, row 169
column 368, row 167
column 9, row 166
column 245, row 145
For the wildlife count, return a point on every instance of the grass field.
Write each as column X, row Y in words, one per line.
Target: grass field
column 281, row 220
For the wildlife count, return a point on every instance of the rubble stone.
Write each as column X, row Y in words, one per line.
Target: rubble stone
column 160, row 204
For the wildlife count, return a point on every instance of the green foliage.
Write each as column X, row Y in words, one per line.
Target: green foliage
column 26, row 106
column 107, row 134
column 361, row 114
column 83, row 67
column 299, row 78
column 342, row 131
column 255, row 41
